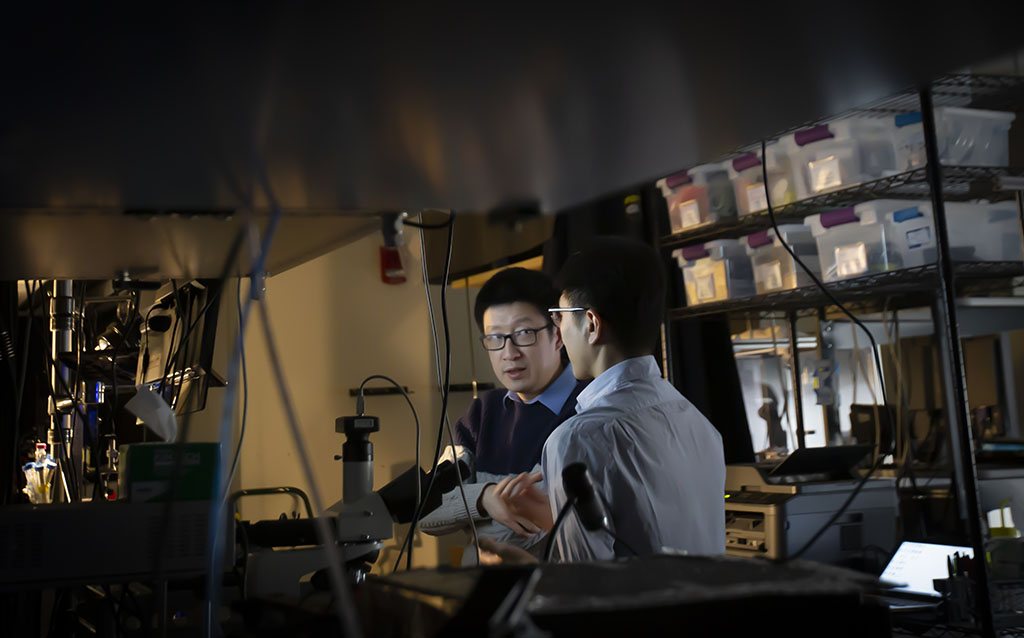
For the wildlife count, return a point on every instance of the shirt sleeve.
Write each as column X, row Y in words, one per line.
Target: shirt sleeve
column 565, row 446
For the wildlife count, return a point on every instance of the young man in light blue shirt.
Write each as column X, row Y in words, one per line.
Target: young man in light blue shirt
column 654, row 459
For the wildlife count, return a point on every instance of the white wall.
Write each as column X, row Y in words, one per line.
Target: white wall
column 337, row 323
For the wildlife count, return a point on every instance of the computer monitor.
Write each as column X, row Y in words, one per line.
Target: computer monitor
column 915, row 565
column 177, row 342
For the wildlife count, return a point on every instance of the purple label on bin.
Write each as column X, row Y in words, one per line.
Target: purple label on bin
column 678, row 179
column 816, row 134
column 758, row 239
column 838, row 217
column 691, row 253
column 743, row 162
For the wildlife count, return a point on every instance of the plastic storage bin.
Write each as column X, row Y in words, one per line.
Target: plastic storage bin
column 773, row 266
column 698, row 196
column 715, row 271
column 984, row 232
column 966, row 137
column 747, row 177
column 840, row 154
column 873, row 237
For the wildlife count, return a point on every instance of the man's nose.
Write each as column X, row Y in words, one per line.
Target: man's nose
column 511, row 350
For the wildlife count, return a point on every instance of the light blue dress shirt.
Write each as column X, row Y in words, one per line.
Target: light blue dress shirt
column 655, row 459
column 554, row 396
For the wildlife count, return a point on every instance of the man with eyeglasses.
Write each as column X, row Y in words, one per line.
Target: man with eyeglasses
column 654, row 459
column 505, row 429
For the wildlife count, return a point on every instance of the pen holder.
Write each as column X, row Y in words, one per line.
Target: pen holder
column 958, row 596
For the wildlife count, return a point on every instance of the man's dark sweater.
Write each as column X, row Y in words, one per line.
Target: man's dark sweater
column 507, row 436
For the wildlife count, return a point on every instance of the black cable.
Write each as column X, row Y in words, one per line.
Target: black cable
column 416, row 418
column 245, row 392
column 133, row 320
column 437, row 369
column 555, row 528
column 444, row 390
column 874, row 351
column 619, row 539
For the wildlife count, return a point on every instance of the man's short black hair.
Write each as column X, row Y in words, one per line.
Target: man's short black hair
column 516, row 284
column 623, row 281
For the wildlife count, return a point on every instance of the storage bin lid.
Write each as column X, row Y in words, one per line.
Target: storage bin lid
column 700, row 174
column 830, row 219
column 672, row 182
column 959, row 111
column 892, row 211
column 906, row 119
column 791, row 233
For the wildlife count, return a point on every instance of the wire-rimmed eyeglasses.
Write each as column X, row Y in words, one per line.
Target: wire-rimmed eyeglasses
column 520, row 338
column 573, row 309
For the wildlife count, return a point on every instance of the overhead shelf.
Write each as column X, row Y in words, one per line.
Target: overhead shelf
column 896, row 288
column 959, row 183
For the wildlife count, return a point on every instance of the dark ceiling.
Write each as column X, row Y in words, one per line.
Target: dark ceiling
column 376, row 106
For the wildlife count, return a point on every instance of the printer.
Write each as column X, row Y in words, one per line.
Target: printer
column 773, row 510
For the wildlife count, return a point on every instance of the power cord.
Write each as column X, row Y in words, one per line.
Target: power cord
column 874, row 351
column 437, row 366
column 444, row 391
column 415, row 416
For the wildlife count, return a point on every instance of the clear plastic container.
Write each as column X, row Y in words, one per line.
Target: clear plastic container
column 747, row 178
column 966, row 137
column 840, row 154
column 981, row 231
column 698, row 196
column 715, row 271
column 773, row 266
column 875, row 236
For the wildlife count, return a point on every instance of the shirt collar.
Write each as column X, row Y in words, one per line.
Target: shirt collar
column 555, row 395
column 620, row 373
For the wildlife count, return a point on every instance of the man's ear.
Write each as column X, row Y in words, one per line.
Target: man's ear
column 557, row 331
column 594, row 328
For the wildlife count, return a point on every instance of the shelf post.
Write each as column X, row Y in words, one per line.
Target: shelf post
column 957, row 410
column 794, row 366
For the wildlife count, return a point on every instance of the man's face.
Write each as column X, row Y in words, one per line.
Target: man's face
column 571, row 327
column 525, row 370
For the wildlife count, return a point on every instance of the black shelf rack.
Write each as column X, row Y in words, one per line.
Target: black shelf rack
column 959, row 183
column 900, row 288
column 936, row 285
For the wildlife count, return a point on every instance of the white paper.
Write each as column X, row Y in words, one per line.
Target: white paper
column 690, row 213
column 919, row 237
column 757, row 199
column 705, row 287
column 150, row 408
column 851, row 260
column 825, row 174
column 770, row 275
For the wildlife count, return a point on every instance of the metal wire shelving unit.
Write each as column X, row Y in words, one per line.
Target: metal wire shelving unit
column 936, row 285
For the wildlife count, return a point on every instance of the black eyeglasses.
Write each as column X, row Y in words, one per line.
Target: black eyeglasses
column 524, row 337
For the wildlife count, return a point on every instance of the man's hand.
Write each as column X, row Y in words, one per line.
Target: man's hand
column 494, row 553
column 522, row 501
column 503, row 511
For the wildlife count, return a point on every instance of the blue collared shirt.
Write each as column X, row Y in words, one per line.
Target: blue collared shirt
column 655, row 460
column 555, row 395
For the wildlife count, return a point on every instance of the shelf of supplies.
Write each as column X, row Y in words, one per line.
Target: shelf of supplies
column 959, row 183
column 906, row 287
